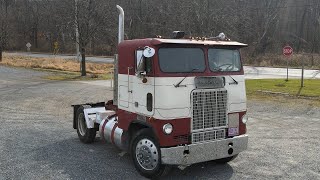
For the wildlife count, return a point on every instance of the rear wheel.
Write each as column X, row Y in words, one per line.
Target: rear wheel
column 225, row 160
column 85, row 134
column 146, row 155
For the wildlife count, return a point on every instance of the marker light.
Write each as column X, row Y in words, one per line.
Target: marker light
column 245, row 119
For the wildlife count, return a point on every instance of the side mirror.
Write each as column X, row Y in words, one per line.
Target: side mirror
column 148, row 52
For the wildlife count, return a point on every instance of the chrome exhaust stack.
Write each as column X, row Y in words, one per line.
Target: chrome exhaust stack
column 115, row 71
column 121, row 24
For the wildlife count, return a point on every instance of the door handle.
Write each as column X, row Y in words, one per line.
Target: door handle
column 129, row 68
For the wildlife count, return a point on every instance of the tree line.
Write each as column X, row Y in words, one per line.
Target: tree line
column 266, row 25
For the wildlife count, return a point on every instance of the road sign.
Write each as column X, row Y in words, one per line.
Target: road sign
column 287, row 51
column 28, row 46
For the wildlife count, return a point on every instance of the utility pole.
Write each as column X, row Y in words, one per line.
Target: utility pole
column 302, row 74
column 77, row 31
column 83, row 62
column 0, row 51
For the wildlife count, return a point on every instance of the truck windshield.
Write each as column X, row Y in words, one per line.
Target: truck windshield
column 181, row 60
column 225, row 60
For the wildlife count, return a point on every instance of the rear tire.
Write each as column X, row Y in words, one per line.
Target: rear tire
column 225, row 160
column 146, row 155
column 85, row 134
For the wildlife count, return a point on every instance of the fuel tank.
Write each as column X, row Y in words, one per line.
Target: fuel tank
column 111, row 133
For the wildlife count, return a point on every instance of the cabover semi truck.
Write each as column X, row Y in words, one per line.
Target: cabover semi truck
column 177, row 102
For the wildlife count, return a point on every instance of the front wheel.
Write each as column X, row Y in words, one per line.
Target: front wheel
column 146, row 155
column 85, row 134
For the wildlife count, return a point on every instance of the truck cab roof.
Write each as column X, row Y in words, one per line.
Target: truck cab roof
column 201, row 42
column 158, row 41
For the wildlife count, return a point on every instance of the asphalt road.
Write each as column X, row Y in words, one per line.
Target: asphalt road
column 37, row 140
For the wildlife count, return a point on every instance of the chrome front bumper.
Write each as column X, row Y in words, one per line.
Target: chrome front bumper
column 202, row 152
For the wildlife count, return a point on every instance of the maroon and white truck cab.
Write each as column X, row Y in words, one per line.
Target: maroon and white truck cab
column 176, row 102
column 192, row 94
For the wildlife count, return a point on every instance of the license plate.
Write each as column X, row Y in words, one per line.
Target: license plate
column 233, row 131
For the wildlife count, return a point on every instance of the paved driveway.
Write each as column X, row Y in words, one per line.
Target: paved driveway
column 37, row 140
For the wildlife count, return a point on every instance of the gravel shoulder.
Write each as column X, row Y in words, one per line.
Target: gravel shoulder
column 38, row 142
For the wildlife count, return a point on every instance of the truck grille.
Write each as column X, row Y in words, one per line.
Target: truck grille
column 209, row 112
column 208, row 135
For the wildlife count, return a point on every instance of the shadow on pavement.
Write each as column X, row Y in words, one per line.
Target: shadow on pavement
column 207, row 170
column 76, row 160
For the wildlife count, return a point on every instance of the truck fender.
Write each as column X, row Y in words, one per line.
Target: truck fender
column 90, row 115
column 85, row 106
column 137, row 125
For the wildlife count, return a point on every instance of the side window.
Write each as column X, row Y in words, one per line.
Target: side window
column 139, row 57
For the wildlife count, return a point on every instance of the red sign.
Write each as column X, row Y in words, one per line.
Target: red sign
column 287, row 51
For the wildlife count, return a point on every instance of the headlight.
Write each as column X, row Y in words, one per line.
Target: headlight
column 245, row 119
column 167, row 128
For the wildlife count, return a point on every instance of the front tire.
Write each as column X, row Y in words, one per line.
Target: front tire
column 85, row 134
column 146, row 155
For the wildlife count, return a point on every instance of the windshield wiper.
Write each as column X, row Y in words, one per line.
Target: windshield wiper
column 178, row 84
column 234, row 81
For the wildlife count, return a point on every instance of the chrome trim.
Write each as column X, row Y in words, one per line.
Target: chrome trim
column 121, row 24
column 92, row 111
column 203, row 152
column 107, row 132
column 115, row 80
column 210, row 129
column 147, row 154
column 209, row 111
column 118, row 137
column 204, row 136
column 107, row 129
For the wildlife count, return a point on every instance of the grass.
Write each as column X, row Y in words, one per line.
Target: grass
column 285, row 92
column 60, row 69
column 292, row 87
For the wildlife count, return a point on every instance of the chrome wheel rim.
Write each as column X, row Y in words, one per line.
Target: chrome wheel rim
column 82, row 127
column 147, row 154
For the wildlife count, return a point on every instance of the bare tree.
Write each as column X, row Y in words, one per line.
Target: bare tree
column 89, row 20
column 4, row 24
column 266, row 24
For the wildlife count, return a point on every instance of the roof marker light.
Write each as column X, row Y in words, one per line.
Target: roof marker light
column 222, row 36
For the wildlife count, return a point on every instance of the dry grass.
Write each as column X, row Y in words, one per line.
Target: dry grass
column 73, row 76
column 54, row 64
column 311, row 61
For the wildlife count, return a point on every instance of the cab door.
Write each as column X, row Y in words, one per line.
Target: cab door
column 143, row 88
